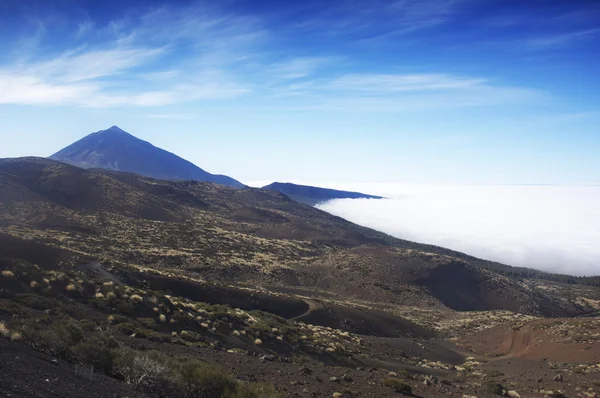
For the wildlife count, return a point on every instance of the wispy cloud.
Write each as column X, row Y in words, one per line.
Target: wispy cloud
column 298, row 67
column 560, row 40
column 171, row 116
column 84, row 28
column 405, row 93
column 82, row 64
column 175, row 54
column 406, row 82
column 360, row 20
column 127, row 65
column 30, row 90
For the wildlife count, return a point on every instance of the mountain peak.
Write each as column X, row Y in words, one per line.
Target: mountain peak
column 113, row 130
column 117, row 150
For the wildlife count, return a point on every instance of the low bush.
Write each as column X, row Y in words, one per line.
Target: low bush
column 494, row 388
column 99, row 351
column 398, row 385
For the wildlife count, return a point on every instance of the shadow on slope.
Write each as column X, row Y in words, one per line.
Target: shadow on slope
column 363, row 321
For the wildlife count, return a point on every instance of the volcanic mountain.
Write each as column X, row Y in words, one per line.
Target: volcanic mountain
column 313, row 195
column 161, row 285
column 116, row 150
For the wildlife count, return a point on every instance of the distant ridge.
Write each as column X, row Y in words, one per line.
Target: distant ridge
column 117, row 150
column 314, row 195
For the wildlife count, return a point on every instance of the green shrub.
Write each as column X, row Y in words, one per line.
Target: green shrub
column 200, row 379
column 150, row 323
column 99, row 351
column 34, row 301
column 398, row 385
column 126, row 327
column 259, row 390
column 494, row 388
column 494, row 374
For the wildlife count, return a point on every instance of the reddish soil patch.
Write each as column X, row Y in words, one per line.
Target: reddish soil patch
column 564, row 340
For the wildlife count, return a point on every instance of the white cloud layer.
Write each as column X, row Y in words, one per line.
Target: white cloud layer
column 552, row 228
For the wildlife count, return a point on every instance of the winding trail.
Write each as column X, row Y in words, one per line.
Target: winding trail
column 313, row 305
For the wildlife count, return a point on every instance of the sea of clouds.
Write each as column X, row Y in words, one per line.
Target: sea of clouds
column 552, row 228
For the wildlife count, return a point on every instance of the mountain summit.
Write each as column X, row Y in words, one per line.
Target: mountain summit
column 117, row 150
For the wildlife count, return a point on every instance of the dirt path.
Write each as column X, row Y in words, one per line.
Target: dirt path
column 313, row 305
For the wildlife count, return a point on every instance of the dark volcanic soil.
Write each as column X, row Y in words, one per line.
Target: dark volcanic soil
column 28, row 373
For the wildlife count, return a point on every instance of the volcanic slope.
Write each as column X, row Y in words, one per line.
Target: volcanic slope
column 314, row 195
column 163, row 285
column 251, row 236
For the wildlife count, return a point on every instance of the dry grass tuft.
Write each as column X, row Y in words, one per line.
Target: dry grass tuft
column 136, row 298
column 71, row 287
column 4, row 331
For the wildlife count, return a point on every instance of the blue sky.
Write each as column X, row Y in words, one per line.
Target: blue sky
column 433, row 91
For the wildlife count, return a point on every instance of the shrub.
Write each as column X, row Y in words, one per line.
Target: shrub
column 261, row 390
column 150, row 323
column 98, row 351
column 4, row 331
column 495, row 373
column 494, row 387
column 136, row 298
column 143, row 371
column 55, row 338
column 398, row 385
column 126, row 327
column 200, row 379
column 71, row 287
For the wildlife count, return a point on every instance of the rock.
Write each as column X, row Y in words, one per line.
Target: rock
column 337, row 395
column 334, row 379
column 269, row 358
column 392, row 374
column 429, row 380
column 558, row 377
column 468, row 396
column 513, row 394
